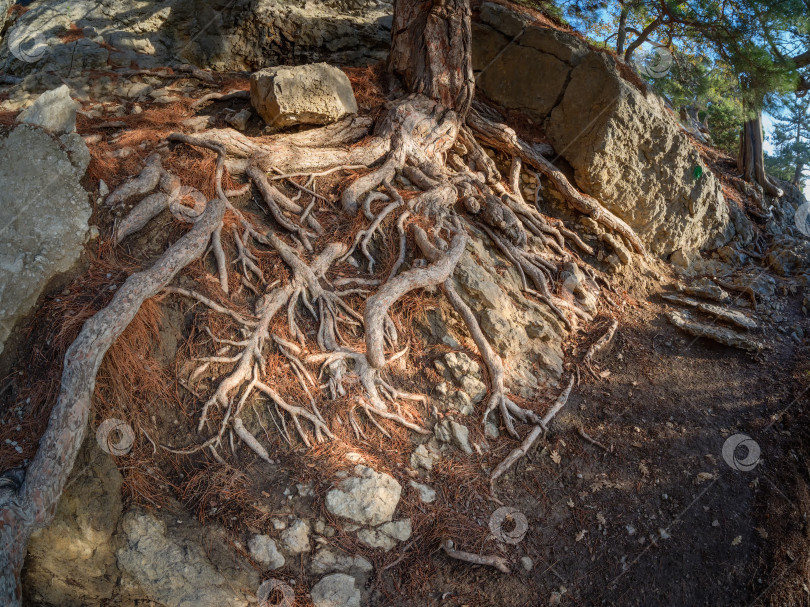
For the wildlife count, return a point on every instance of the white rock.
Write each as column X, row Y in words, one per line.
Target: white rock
column 264, row 551
column 526, row 563
column 336, row 590
column 327, row 560
column 308, row 94
column 426, row 494
column 368, row 498
column 386, row 535
column 423, row 458
column 53, row 110
column 240, row 119
column 295, row 538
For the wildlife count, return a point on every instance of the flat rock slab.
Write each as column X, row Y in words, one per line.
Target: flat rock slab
column 307, row 94
column 43, row 216
column 723, row 335
column 726, row 314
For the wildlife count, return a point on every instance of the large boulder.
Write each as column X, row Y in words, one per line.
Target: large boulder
column 626, row 148
column 43, row 216
column 308, row 94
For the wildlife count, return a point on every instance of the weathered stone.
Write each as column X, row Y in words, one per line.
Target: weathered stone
column 71, row 562
column 307, row 94
column 327, row 560
column 175, row 571
column 422, row 458
column 54, row 110
column 336, row 590
column 43, row 217
column 449, row 431
column 295, row 538
column 426, row 494
column 632, row 155
column 386, row 535
column 239, row 120
column 368, row 498
column 263, row 550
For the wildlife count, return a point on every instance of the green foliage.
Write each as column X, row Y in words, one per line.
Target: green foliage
column 790, row 139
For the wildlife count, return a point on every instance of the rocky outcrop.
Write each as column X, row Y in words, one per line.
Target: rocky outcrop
column 43, row 216
column 170, row 566
column 625, row 147
column 71, row 562
column 336, row 590
column 66, row 37
column 308, row 94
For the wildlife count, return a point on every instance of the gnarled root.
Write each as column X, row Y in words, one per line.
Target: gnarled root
column 532, row 437
column 498, row 562
column 33, row 505
column 504, row 137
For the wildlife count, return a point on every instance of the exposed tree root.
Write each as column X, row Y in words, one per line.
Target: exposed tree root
column 683, row 320
column 33, row 505
column 532, row 437
column 490, row 560
column 599, row 345
column 504, row 137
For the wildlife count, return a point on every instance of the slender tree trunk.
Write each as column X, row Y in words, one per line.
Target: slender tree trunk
column 751, row 159
column 431, row 50
column 642, row 38
column 621, row 38
column 797, row 176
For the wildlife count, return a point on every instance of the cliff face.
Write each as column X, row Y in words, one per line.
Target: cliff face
column 626, row 148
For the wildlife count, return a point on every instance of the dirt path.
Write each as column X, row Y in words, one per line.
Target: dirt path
column 662, row 519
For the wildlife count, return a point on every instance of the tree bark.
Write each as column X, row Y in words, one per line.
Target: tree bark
column 621, row 38
column 751, row 159
column 431, row 50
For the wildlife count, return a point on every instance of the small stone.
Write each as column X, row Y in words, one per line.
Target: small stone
column 526, row 563
column 368, row 498
column 336, row 590
column 53, row 110
column 426, row 494
column 386, row 535
column 263, row 550
column 450, row 431
column 295, row 539
column 422, row 458
column 240, row 119
column 491, row 430
column 327, row 560
column 307, row 94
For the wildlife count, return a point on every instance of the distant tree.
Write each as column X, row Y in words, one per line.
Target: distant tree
column 791, row 140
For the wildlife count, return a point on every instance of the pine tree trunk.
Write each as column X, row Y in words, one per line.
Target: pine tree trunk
column 431, row 50
column 751, row 159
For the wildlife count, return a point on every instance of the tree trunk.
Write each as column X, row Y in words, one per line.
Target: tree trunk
column 431, row 50
column 751, row 159
column 621, row 37
column 797, row 176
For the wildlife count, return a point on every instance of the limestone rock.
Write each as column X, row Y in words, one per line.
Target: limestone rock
column 336, row 590
column 423, row 458
column 327, row 560
column 53, row 110
column 426, row 494
column 633, row 157
column 368, row 498
column 174, row 570
column 264, row 551
column 43, row 218
column 71, row 562
column 386, row 535
column 295, row 538
column 449, row 431
column 307, row 94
